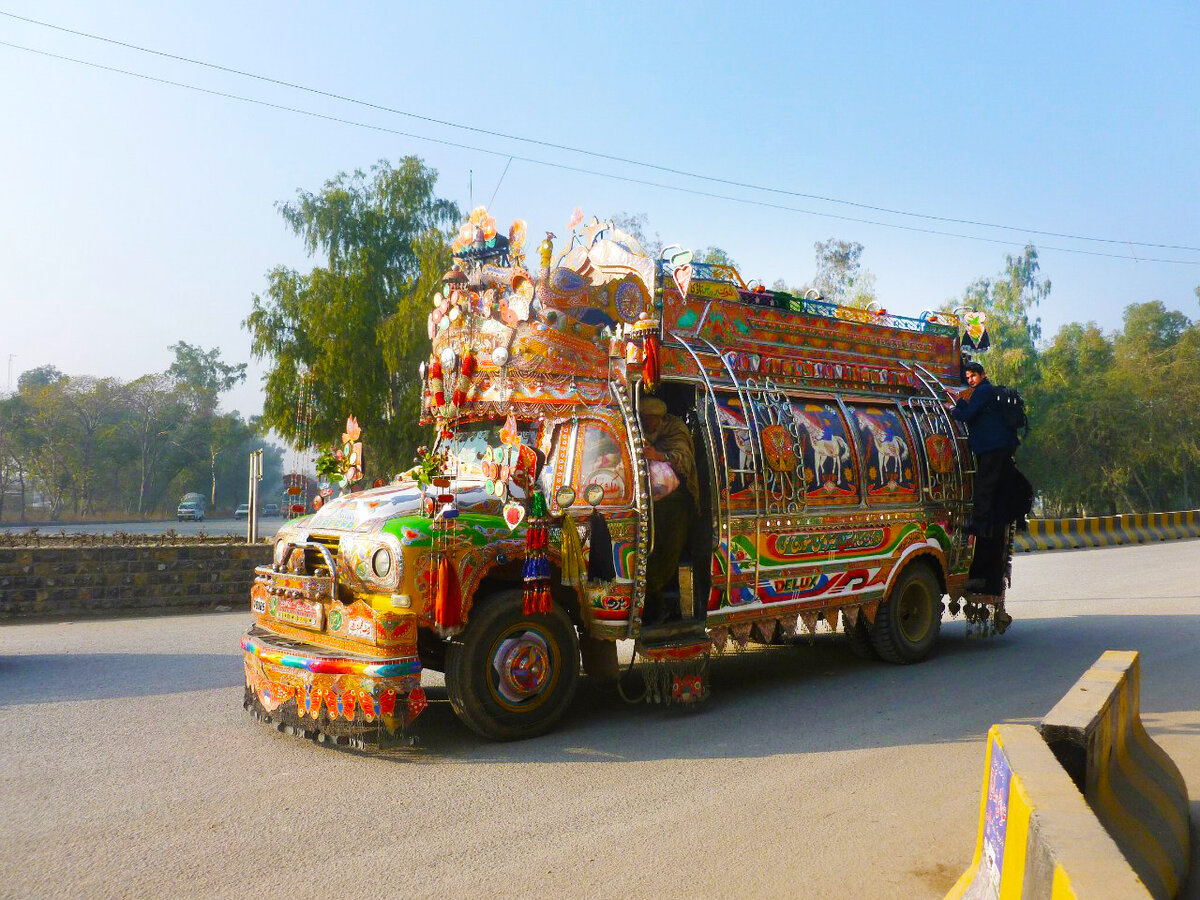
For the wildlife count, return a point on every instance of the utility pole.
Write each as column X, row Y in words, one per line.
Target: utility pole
column 256, row 464
column 8, row 386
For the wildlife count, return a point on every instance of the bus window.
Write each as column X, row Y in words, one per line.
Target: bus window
column 889, row 466
column 739, row 454
column 599, row 460
column 830, row 465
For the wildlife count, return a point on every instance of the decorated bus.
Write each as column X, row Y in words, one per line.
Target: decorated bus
column 832, row 492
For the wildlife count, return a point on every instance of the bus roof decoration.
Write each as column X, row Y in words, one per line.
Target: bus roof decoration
column 974, row 329
column 508, row 339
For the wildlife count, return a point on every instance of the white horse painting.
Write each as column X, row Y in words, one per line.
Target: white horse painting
column 832, row 449
column 892, row 450
column 741, row 438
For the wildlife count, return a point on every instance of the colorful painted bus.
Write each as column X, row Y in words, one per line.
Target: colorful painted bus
column 834, row 491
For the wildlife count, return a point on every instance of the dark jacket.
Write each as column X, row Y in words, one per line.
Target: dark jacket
column 986, row 427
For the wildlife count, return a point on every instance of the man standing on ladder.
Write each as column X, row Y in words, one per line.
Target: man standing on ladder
column 993, row 442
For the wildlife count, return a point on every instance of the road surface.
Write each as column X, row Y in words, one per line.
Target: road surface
column 131, row 769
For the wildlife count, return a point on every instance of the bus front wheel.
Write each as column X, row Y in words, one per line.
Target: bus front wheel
column 510, row 675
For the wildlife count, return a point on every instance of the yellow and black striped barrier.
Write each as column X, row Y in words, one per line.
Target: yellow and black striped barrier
column 1108, row 531
column 1037, row 837
column 1135, row 789
column 1088, row 807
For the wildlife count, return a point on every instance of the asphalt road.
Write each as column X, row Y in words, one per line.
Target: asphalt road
column 266, row 526
column 131, row 769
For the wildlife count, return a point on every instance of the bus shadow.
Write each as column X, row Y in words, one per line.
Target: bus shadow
column 816, row 697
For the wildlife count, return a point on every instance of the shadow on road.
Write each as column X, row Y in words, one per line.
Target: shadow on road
column 803, row 698
column 818, row 698
column 54, row 678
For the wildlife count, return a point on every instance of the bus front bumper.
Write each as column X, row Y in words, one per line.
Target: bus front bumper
column 324, row 694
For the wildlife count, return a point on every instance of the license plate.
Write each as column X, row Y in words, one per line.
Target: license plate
column 297, row 612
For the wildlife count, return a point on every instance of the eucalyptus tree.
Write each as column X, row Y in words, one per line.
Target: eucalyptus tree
column 346, row 337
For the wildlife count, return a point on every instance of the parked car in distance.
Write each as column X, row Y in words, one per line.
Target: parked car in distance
column 242, row 511
column 270, row 509
column 191, row 510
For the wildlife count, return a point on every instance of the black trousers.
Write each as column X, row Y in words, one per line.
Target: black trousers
column 989, row 473
column 989, row 560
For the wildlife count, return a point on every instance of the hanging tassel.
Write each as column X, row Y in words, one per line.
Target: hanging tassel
column 536, row 572
column 436, row 386
column 447, row 607
column 650, row 368
column 574, row 564
column 462, row 384
column 600, row 554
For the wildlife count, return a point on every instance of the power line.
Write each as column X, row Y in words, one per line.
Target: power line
column 577, row 169
column 597, row 154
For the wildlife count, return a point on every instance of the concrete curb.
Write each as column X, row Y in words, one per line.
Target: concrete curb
column 1037, row 837
column 1086, row 806
column 1108, row 531
column 1135, row 789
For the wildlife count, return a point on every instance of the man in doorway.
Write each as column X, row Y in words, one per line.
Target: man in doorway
column 993, row 442
column 666, row 439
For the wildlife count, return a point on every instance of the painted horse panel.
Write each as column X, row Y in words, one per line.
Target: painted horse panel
column 890, row 469
column 830, row 466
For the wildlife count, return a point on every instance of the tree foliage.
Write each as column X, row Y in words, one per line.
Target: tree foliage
column 839, row 276
column 90, row 447
column 351, row 331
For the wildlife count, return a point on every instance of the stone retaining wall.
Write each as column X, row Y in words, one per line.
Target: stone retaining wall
column 97, row 581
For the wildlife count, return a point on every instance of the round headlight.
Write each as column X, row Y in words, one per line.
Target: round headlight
column 381, row 562
column 280, row 548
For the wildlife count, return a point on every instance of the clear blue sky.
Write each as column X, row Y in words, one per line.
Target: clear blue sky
column 137, row 214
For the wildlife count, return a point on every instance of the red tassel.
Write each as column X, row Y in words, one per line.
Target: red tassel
column 447, row 606
column 528, row 601
column 547, row 603
column 460, row 396
column 468, row 365
column 650, row 368
column 435, row 369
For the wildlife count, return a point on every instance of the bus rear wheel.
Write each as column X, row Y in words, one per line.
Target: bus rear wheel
column 907, row 623
column 513, row 676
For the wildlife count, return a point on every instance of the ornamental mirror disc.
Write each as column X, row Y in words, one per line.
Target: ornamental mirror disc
column 940, row 453
column 779, row 447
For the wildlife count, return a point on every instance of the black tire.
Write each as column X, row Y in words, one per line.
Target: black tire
column 858, row 637
column 907, row 623
column 541, row 651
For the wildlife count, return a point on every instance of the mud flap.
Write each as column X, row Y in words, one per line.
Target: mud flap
column 676, row 673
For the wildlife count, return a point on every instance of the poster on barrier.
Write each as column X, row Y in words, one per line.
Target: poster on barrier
column 986, row 885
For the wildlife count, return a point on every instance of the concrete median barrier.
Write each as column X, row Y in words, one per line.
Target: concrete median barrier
column 1037, row 837
column 1108, row 531
column 1086, row 805
column 1135, row 789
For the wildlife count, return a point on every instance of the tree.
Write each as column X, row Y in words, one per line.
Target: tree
column 715, row 256
column 160, row 414
column 634, row 224
column 42, row 376
column 840, row 277
column 353, row 330
column 207, row 376
column 1008, row 300
column 15, row 443
column 203, row 371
